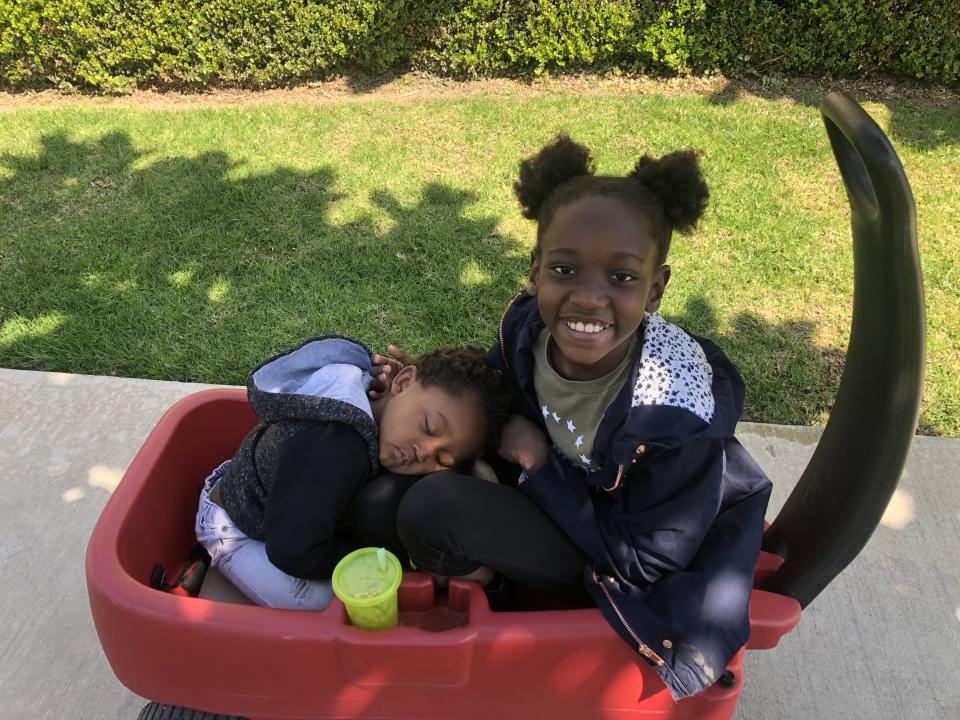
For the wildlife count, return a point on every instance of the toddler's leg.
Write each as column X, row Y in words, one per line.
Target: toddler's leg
column 246, row 565
column 244, row 561
column 454, row 524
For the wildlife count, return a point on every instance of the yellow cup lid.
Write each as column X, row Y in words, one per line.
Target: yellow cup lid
column 361, row 578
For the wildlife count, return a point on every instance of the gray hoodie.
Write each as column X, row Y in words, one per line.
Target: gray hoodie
column 323, row 380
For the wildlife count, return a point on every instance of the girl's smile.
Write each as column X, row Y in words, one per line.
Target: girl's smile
column 587, row 327
column 583, row 332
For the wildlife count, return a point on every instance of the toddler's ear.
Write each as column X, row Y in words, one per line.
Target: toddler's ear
column 403, row 379
column 532, row 275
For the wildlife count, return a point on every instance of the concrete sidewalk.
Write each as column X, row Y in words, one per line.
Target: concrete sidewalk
column 882, row 642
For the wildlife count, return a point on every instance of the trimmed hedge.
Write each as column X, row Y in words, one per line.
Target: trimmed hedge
column 116, row 45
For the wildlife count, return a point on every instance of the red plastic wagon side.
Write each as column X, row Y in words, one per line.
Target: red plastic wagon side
column 261, row 663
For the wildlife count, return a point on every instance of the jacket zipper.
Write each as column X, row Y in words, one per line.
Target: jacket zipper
column 642, row 648
column 616, row 482
column 503, row 352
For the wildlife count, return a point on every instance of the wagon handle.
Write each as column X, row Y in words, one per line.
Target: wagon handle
column 844, row 490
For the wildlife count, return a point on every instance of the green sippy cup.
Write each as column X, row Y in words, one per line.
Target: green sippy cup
column 366, row 581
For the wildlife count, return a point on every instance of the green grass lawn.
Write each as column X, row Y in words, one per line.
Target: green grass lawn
column 190, row 244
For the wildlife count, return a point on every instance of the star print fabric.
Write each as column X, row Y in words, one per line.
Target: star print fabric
column 572, row 409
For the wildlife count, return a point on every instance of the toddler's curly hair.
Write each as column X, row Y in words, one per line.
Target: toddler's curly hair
column 462, row 369
column 668, row 192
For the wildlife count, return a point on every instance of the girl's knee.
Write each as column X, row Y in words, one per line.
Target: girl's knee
column 434, row 510
column 372, row 513
column 430, row 521
column 429, row 502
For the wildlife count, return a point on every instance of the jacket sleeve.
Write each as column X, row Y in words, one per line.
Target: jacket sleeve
column 318, row 471
column 653, row 525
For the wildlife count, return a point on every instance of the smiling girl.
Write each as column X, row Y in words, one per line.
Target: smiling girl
column 632, row 482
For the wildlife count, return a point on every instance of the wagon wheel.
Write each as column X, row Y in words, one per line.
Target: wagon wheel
column 156, row 711
column 843, row 492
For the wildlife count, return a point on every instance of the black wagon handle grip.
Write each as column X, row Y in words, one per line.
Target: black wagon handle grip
column 844, row 490
column 876, row 184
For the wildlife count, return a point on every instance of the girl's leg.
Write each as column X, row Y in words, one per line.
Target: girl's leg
column 371, row 515
column 453, row 524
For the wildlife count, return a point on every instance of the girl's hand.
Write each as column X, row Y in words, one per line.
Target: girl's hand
column 523, row 443
column 481, row 469
column 385, row 367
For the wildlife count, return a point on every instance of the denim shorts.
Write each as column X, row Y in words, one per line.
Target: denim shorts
column 214, row 528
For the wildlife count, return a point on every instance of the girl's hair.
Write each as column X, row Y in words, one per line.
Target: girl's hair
column 669, row 192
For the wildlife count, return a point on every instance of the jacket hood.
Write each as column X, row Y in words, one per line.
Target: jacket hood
column 682, row 387
column 324, row 379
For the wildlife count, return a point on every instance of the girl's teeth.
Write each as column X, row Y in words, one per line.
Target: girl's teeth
column 585, row 327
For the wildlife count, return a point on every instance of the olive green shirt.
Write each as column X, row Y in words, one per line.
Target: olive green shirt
column 572, row 409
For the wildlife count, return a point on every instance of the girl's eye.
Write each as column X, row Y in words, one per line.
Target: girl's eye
column 426, row 427
column 623, row 277
column 562, row 269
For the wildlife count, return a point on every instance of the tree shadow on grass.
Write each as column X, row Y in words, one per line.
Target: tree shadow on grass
column 790, row 379
column 186, row 268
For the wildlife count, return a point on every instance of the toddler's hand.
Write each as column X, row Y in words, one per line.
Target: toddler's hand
column 385, row 367
column 523, row 443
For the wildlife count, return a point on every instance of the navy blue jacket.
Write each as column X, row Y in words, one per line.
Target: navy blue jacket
column 672, row 517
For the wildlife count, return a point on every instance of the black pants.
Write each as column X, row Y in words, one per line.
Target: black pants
column 452, row 524
column 371, row 516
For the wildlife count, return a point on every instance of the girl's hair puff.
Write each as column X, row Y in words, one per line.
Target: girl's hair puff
column 541, row 174
column 668, row 192
column 675, row 179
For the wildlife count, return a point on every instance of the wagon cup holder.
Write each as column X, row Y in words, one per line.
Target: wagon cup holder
column 422, row 607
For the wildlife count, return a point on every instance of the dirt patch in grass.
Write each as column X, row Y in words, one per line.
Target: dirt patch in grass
column 415, row 86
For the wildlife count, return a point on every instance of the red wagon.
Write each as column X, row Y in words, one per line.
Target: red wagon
column 236, row 660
